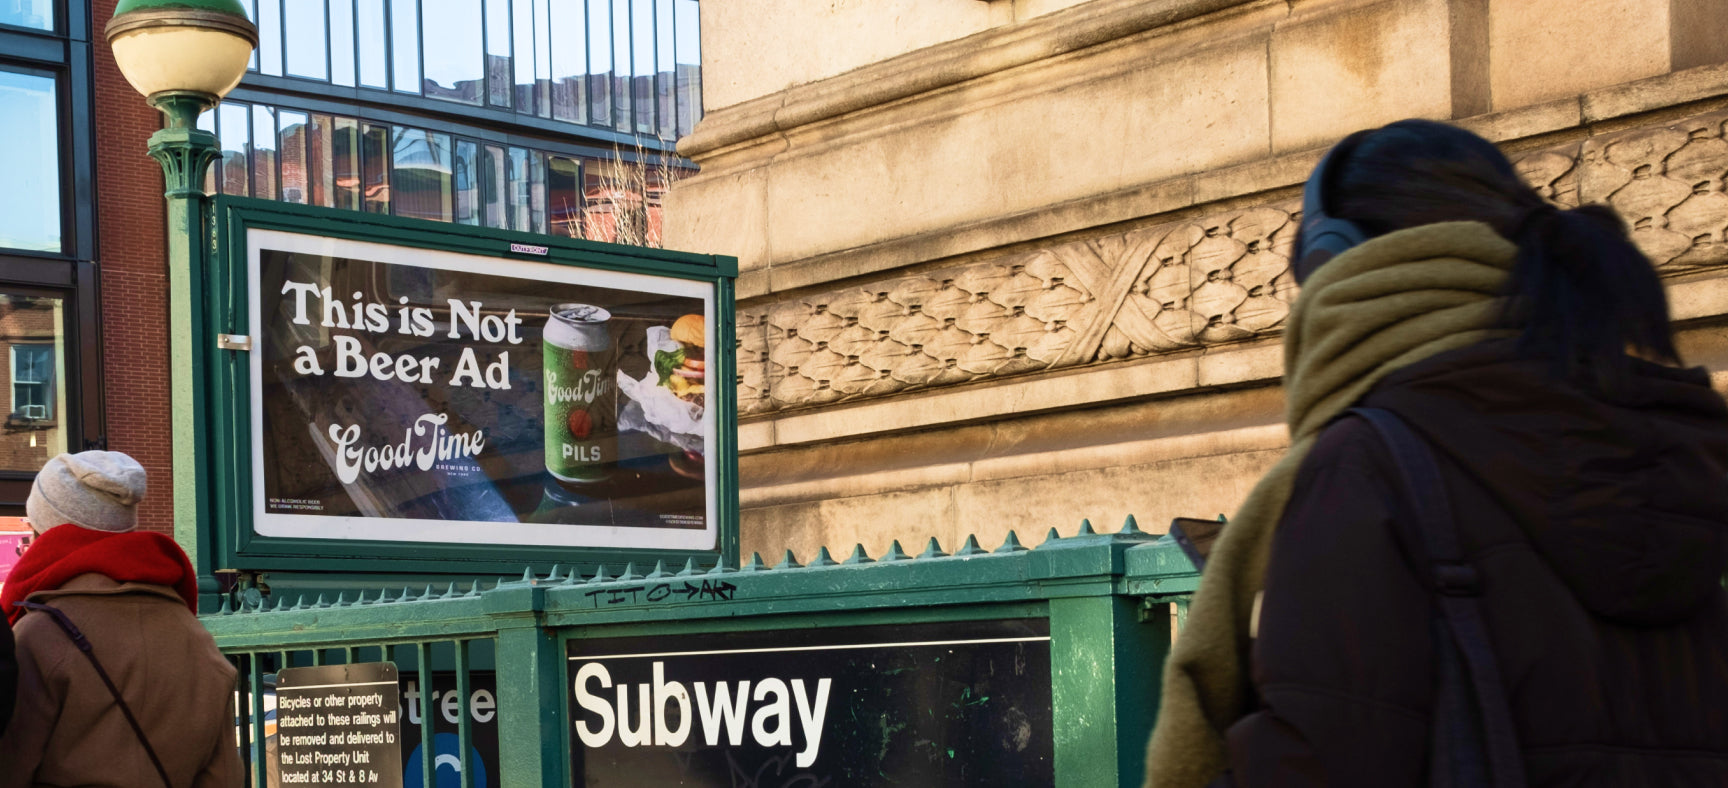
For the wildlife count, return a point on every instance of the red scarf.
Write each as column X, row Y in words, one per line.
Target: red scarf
column 67, row 551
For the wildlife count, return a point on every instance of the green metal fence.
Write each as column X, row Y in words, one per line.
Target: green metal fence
column 1107, row 599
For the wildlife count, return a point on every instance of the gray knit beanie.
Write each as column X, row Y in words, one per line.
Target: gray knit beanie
column 99, row 490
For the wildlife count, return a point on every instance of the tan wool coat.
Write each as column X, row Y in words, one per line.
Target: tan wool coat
column 67, row 729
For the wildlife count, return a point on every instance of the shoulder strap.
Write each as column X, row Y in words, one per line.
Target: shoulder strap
column 1458, row 587
column 83, row 645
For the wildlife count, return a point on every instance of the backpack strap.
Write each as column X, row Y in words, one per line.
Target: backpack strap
column 83, row 645
column 1458, row 590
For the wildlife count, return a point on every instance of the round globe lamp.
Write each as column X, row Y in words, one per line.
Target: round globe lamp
column 175, row 51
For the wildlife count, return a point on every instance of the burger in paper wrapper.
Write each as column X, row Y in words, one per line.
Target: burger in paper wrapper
column 669, row 403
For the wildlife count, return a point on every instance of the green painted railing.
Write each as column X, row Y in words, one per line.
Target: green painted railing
column 1108, row 599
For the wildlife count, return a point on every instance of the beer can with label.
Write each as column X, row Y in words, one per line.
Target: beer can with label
column 581, row 394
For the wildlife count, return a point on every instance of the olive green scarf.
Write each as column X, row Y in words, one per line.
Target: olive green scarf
column 1390, row 302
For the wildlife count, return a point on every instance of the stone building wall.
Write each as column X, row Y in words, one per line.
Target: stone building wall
column 1017, row 263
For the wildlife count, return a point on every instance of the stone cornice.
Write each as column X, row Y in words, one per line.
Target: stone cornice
column 940, row 66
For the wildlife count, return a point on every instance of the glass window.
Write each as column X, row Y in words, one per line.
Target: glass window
column 33, row 330
column 523, row 33
column 270, row 36
column 374, row 52
column 420, row 179
column 252, row 14
column 569, row 61
column 454, row 58
column 564, row 196
column 405, row 45
column 518, row 179
column 307, row 54
column 689, row 65
column 30, row 159
column 342, row 42
column 600, row 61
column 345, row 163
column 537, row 191
column 642, row 63
column 665, row 69
column 498, row 69
column 291, row 141
column 264, row 152
column 542, row 58
column 207, row 122
column 493, row 172
column 375, row 168
column 467, row 182
column 620, row 65
column 320, row 164
column 34, row 14
column 234, row 130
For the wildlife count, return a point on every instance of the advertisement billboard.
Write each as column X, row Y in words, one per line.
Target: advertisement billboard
column 405, row 394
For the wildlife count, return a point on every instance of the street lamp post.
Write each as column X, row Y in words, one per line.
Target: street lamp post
column 184, row 55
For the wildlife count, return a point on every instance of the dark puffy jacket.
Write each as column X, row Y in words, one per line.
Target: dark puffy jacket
column 1598, row 525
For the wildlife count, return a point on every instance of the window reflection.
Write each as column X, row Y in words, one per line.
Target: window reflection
column 269, row 19
column 537, row 191
column 493, row 183
column 234, row 131
column 369, row 32
column 628, row 65
column 342, row 42
column 34, row 14
column 345, row 163
column 207, row 123
column 375, row 168
column 665, row 68
column 564, row 196
column 621, row 65
column 341, row 162
column 600, row 61
column 405, row 45
column 452, row 47
column 569, row 61
column 30, row 159
column 420, row 181
column 499, row 71
column 519, row 187
column 32, row 333
column 264, row 152
column 320, row 163
column 642, row 63
column 292, row 142
column 305, row 28
column 689, row 65
column 542, row 58
column 522, row 13
column 467, row 182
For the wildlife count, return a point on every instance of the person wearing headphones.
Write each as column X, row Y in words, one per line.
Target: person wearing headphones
column 1494, row 553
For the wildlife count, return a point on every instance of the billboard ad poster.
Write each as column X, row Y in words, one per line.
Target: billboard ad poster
column 405, row 394
column 951, row 704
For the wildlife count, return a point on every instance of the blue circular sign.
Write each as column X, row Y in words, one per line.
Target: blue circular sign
column 446, row 766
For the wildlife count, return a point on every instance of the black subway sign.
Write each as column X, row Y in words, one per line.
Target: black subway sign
column 953, row 704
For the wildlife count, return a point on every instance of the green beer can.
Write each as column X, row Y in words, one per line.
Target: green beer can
column 581, row 394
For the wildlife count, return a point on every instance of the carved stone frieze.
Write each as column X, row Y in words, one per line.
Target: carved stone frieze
column 1218, row 279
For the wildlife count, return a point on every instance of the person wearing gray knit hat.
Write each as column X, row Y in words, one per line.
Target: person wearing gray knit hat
column 98, row 490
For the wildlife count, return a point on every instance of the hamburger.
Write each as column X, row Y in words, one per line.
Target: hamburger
column 682, row 371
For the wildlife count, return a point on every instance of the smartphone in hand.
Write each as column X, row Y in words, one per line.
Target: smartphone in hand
column 1195, row 536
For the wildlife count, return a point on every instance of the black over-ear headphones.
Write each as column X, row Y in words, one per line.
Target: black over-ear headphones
column 1323, row 237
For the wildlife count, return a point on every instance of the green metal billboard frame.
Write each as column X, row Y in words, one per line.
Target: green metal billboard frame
column 224, row 464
